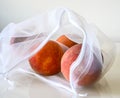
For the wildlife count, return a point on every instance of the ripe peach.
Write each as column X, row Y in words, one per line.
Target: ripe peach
column 66, row 41
column 47, row 60
column 89, row 77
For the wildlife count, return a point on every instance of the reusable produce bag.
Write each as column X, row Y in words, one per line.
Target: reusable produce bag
column 17, row 42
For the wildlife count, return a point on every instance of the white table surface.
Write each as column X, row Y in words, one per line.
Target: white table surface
column 29, row 87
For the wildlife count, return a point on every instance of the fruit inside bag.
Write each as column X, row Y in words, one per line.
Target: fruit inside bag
column 82, row 53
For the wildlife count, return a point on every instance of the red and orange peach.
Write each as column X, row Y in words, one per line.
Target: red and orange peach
column 47, row 60
column 90, row 77
column 66, row 41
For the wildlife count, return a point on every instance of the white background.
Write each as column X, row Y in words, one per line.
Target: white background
column 104, row 13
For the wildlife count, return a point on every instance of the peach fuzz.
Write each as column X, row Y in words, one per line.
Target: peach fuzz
column 66, row 41
column 47, row 60
column 89, row 77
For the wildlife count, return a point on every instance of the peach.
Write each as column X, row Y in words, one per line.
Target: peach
column 66, row 41
column 47, row 60
column 90, row 76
